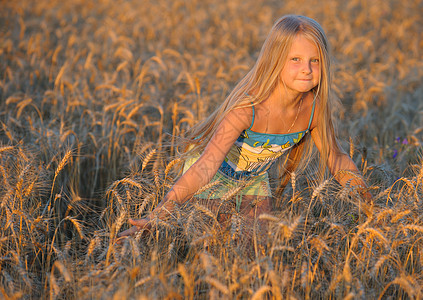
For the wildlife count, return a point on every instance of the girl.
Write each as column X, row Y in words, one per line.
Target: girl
column 281, row 106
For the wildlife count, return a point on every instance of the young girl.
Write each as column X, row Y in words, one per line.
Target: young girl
column 280, row 107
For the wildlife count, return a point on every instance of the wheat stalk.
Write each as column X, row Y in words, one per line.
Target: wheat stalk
column 148, row 158
column 109, row 80
column 188, row 282
column 59, row 168
column 147, row 200
column 236, row 226
column 170, row 166
column 319, row 189
column 404, row 283
column 205, row 211
column 207, row 187
column 293, row 182
column 6, row 149
column 217, row 284
column 268, row 217
column 231, row 193
column 63, row 270
column 129, row 181
column 156, row 173
column 413, row 227
column 54, row 287
column 275, row 281
column 143, row 281
column 380, row 262
column 400, row 215
column 189, row 221
column 351, row 148
column 261, row 293
column 77, row 225
column 93, row 245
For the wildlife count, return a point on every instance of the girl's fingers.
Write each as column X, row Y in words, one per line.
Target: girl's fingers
column 120, row 239
column 137, row 225
column 137, row 222
column 129, row 231
column 126, row 233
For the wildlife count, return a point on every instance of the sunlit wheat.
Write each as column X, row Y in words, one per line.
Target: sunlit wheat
column 94, row 98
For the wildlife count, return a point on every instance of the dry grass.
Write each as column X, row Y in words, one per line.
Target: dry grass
column 92, row 94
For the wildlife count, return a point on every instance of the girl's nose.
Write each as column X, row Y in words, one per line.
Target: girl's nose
column 307, row 68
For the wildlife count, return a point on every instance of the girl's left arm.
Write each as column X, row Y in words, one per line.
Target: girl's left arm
column 339, row 161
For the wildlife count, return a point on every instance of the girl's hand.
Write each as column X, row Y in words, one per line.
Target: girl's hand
column 367, row 196
column 137, row 225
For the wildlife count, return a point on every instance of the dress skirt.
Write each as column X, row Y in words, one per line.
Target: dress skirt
column 225, row 187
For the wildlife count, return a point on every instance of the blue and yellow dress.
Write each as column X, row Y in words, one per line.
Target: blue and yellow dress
column 247, row 163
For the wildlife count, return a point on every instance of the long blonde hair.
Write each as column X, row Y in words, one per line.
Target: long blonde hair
column 263, row 79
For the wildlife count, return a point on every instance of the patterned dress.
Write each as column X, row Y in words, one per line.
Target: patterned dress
column 247, row 163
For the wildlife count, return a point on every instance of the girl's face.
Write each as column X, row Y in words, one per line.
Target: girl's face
column 301, row 72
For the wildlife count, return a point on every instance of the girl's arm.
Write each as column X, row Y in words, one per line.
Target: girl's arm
column 339, row 161
column 203, row 170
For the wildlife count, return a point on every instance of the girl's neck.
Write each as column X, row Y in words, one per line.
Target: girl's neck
column 282, row 98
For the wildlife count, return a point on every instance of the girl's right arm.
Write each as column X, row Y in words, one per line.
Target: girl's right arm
column 203, row 170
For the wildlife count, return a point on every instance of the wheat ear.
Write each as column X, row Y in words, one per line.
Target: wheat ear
column 60, row 167
column 148, row 158
column 261, row 293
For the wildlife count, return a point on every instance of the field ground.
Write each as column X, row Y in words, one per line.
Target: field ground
column 92, row 94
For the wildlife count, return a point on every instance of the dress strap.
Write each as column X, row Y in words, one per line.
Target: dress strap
column 252, row 106
column 312, row 113
column 252, row 121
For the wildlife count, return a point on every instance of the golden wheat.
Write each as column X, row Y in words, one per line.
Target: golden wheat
column 117, row 82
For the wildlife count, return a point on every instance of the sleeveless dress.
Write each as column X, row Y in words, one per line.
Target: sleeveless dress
column 245, row 167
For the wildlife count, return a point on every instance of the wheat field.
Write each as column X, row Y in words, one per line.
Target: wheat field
column 93, row 95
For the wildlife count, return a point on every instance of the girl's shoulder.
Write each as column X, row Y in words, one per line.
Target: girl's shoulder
column 243, row 116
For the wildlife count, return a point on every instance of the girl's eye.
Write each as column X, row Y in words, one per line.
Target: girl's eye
column 295, row 59
column 315, row 60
